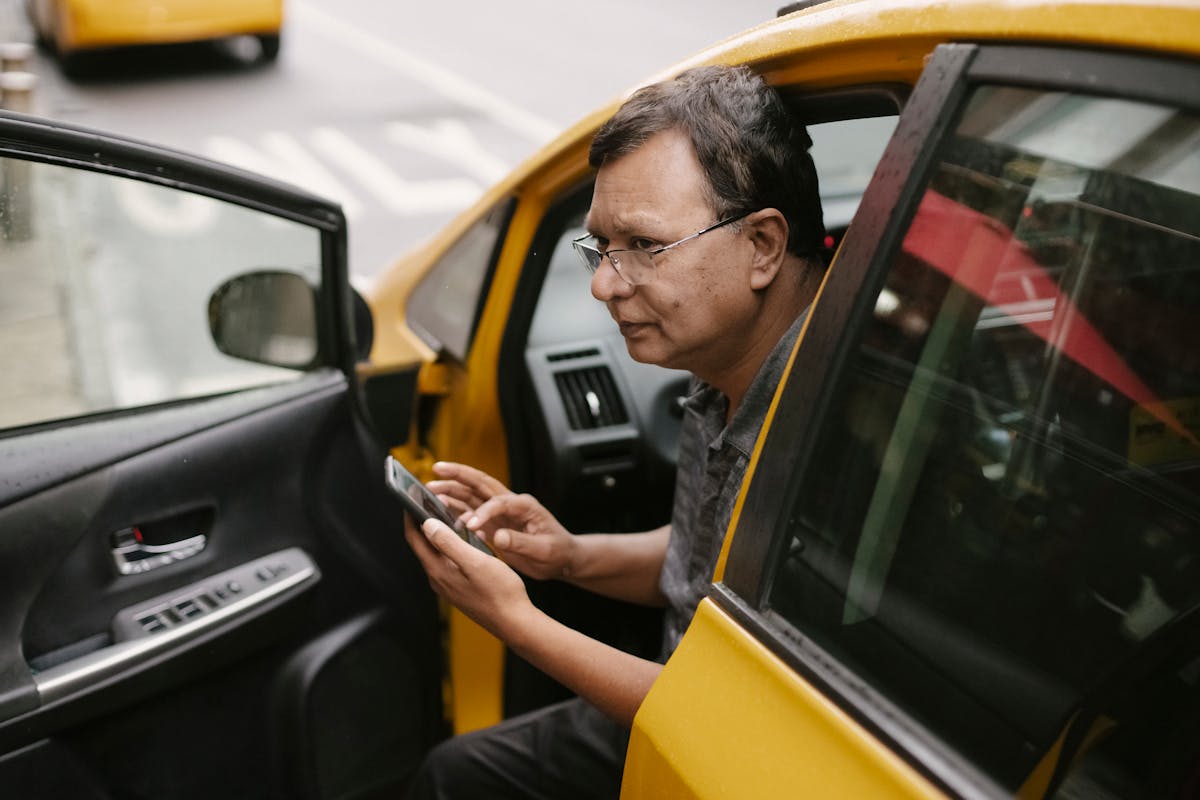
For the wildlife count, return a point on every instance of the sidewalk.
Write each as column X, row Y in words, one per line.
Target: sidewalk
column 39, row 361
column 36, row 363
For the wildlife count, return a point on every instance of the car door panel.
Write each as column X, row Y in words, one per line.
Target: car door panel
column 778, row 705
column 1061, row 692
column 852, row 744
column 63, row 593
column 211, row 595
column 188, row 475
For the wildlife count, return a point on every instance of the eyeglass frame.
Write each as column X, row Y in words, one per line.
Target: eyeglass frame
column 582, row 250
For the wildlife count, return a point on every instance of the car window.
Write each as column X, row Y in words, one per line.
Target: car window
column 445, row 306
column 845, row 153
column 566, row 310
column 1000, row 531
column 106, row 285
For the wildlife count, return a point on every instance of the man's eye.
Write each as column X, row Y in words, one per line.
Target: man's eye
column 642, row 244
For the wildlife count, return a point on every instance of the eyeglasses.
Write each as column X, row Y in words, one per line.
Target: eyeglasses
column 636, row 267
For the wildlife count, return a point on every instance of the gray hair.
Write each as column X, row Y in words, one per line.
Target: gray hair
column 752, row 151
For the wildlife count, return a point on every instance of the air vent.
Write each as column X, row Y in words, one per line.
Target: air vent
column 590, row 398
column 569, row 355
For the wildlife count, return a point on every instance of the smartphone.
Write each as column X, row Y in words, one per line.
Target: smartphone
column 422, row 504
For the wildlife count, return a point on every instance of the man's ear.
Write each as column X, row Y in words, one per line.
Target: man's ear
column 768, row 233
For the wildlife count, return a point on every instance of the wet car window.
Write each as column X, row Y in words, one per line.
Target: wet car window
column 106, row 286
column 1001, row 529
column 445, row 306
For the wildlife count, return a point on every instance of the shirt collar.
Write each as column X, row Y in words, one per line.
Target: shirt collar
column 742, row 430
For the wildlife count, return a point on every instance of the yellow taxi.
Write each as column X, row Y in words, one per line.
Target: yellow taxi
column 71, row 26
column 966, row 558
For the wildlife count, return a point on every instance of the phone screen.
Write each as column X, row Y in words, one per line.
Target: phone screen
column 423, row 504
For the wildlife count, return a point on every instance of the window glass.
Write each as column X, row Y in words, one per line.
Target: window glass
column 105, row 290
column 444, row 307
column 566, row 310
column 1000, row 529
column 845, row 153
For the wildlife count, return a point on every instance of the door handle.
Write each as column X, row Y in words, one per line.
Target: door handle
column 134, row 556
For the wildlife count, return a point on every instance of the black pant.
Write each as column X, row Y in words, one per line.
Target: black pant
column 568, row 750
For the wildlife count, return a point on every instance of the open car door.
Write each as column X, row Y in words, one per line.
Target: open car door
column 204, row 586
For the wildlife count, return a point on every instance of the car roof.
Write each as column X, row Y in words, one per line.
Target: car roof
column 873, row 42
column 880, row 30
column 843, row 42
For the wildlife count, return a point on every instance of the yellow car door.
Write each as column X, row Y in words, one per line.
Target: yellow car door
column 963, row 564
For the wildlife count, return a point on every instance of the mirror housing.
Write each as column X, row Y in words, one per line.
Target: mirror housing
column 268, row 317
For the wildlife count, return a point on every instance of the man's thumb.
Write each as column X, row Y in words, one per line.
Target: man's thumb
column 503, row 539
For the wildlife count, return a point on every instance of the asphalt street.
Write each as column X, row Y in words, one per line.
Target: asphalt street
column 403, row 113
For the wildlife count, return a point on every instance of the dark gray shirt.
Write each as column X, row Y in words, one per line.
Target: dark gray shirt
column 712, row 461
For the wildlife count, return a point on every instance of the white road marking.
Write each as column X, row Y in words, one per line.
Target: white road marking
column 438, row 78
column 402, row 197
column 284, row 159
column 452, row 141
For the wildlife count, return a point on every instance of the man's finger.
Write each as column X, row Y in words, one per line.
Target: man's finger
column 419, row 543
column 479, row 481
column 456, row 489
column 521, row 543
column 514, row 506
column 450, row 545
column 502, row 540
column 455, row 506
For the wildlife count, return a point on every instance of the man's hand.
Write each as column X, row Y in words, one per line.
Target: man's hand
column 517, row 527
column 489, row 592
column 482, row 587
column 525, row 535
column 464, row 489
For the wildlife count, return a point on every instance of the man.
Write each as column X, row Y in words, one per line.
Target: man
column 704, row 238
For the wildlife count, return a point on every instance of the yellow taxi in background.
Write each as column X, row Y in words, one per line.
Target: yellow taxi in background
column 71, row 26
column 966, row 557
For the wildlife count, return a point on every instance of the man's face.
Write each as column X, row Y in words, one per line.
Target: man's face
column 698, row 310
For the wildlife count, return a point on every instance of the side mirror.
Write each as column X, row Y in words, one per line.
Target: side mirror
column 269, row 317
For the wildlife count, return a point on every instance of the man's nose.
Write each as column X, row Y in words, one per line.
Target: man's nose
column 607, row 283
